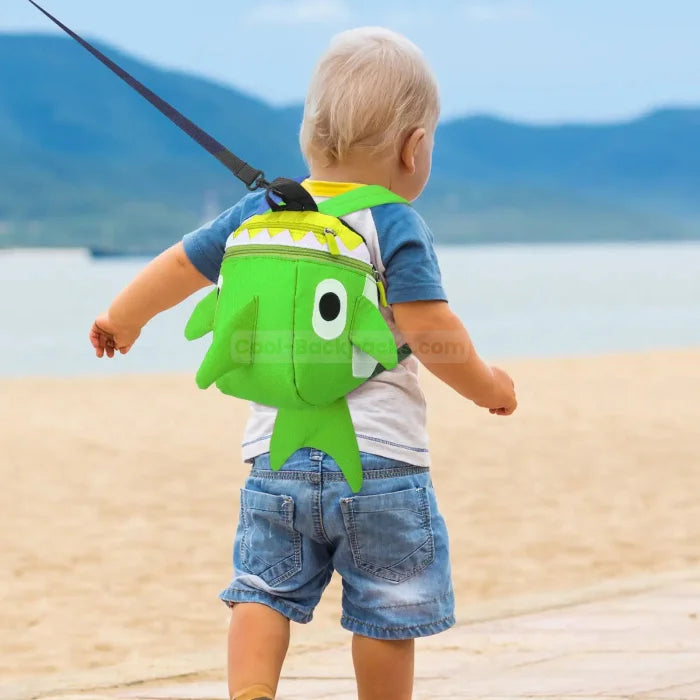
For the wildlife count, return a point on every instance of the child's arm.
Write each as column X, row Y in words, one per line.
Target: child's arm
column 164, row 282
column 440, row 341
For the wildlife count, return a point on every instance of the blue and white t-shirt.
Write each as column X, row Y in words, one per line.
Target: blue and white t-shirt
column 388, row 411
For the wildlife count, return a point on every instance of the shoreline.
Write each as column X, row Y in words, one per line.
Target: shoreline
column 104, row 255
column 495, row 360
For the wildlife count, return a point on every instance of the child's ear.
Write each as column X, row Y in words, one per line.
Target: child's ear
column 409, row 149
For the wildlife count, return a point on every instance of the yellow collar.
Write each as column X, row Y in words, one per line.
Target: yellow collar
column 323, row 188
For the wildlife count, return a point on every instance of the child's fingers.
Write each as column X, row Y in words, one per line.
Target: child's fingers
column 98, row 342
column 105, row 342
column 101, row 341
column 105, row 345
column 96, row 338
column 501, row 411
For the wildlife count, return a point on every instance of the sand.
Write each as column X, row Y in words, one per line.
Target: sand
column 119, row 501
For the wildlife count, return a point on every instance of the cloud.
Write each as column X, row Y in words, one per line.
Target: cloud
column 497, row 10
column 295, row 12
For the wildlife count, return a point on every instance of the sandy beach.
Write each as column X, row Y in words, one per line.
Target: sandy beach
column 120, row 499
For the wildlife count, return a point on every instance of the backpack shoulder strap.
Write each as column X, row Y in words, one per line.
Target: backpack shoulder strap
column 355, row 200
column 360, row 198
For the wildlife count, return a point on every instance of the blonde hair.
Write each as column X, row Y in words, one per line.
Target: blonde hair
column 369, row 90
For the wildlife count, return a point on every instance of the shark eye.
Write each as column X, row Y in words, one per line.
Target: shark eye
column 329, row 306
column 219, row 285
column 330, row 309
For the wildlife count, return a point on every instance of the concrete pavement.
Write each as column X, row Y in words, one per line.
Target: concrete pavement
column 635, row 639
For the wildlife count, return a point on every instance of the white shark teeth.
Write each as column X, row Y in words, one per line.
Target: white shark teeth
column 309, row 241
column 240, row 238
column 359, row 253
column 260, row 236
column 282, row 238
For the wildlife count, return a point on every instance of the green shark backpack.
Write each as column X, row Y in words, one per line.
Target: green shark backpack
column 296, row 322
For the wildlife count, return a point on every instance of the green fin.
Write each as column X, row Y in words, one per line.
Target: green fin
column 232, row 345
column 370, row 333
column 244, row 326
column 202, row 319
column 326, row 428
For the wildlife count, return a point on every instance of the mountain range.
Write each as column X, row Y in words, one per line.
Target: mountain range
column 85, row 161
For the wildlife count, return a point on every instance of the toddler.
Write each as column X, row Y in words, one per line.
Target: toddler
column 370, row 117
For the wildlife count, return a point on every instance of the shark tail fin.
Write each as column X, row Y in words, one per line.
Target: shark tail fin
column 326, row 428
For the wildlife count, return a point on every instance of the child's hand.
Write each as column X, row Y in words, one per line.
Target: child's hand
column 106, row 336
column 167, row 280
column 506, row 393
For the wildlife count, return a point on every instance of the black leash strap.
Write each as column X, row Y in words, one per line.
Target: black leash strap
column 253, row 179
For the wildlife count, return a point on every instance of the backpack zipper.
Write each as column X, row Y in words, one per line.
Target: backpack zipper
column 294, row 253
column 288, row 224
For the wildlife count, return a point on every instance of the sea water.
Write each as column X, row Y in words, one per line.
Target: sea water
column 516, row 301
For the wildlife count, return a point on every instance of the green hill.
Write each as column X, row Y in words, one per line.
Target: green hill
column 85, row 161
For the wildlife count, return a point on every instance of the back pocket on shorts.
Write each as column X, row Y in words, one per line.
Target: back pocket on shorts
column 270, row 546
column 390, row 533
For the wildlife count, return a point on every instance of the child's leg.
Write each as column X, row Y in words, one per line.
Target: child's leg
column 383, row 668
column 257, row 644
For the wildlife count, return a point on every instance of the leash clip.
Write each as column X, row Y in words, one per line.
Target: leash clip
column 259, row 182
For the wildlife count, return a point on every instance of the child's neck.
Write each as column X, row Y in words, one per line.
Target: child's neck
column 360, row 170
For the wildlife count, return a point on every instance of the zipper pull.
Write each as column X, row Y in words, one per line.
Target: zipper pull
column 331, row 242
column 380, row 289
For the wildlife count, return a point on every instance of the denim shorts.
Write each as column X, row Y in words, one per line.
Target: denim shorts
column 388, row 543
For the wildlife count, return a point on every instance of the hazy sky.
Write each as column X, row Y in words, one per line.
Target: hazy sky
column 533, row 60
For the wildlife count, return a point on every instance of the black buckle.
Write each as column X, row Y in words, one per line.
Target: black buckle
column 258, row 182
column 294, row 197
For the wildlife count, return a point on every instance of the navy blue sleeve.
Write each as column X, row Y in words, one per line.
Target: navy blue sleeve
column 408, row 252
column 205, row 246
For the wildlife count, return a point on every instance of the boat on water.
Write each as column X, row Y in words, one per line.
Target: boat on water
column 98, row 253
